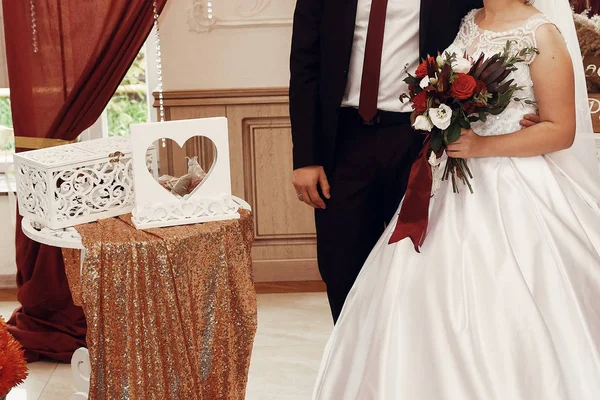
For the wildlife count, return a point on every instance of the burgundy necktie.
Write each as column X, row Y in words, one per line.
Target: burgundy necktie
column 369, row 86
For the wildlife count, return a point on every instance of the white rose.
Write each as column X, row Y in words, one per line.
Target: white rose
column 422, row 123
column 440, row 61
column 441, row 117
column 433, row 160
column 424, row 82
column 461, row 65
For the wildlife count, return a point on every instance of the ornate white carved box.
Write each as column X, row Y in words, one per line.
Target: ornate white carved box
column 210, row 201
column 68, row 185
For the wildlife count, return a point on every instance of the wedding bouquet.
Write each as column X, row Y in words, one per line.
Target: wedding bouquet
column 450, row 92
column 13, row 368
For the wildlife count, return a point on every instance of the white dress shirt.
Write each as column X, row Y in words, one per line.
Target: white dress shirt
column 400, row 47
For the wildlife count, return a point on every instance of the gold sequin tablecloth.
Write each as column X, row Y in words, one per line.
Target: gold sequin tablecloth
column 171, row 312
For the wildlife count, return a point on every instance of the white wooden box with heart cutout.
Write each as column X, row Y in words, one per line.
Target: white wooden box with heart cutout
column 210, row 201
column 77, row 183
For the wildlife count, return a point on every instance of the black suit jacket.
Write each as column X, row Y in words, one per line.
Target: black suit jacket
column 323, row 34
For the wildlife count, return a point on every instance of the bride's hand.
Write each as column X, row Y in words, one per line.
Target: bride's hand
column 469, row 145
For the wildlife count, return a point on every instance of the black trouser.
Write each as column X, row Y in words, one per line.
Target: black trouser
column 367, row 183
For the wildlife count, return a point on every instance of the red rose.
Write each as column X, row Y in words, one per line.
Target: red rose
column 420, row 102
column 422, row 70
column 469, row 107
column 480, row 87
column 463, row 86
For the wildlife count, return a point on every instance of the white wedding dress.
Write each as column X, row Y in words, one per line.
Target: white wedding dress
column 502, row 303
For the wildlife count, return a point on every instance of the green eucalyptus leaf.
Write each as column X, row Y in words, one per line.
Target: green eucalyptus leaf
column 437, row 142
column 411, row 80
column 453, row 132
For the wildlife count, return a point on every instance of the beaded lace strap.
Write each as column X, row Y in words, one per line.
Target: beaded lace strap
column 533, row 25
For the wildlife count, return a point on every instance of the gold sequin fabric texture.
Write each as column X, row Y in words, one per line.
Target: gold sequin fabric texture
column 171, row 312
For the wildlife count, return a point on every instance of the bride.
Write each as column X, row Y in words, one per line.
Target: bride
column 503, row 301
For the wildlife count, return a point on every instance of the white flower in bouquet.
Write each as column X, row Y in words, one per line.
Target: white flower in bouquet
column 440, row 61
column 425, row 82
column 441, row 117
column 461, row 65
column 422, row 123
column 434, row 161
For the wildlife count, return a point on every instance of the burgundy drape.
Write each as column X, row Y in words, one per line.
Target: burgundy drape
column 85, row 49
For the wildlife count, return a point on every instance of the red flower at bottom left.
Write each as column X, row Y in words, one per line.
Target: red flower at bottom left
column 13, row 367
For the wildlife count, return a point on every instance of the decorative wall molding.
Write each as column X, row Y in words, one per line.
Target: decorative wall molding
column 257, row 7
column 244, row 13
column 252, row 127
column 207, row 97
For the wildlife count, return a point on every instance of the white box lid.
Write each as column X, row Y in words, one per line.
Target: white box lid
column 76, row 153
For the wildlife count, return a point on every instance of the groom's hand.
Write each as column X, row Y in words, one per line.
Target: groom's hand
column 306, row 180
column 530, row 120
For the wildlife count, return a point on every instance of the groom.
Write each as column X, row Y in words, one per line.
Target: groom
column 353, row 143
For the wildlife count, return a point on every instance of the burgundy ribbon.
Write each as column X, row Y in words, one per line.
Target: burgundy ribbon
column 414, row 214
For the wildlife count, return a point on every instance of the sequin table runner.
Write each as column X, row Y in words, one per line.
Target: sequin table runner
column 171, row 312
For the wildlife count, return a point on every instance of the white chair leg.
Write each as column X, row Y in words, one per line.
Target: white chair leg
column 82, row 369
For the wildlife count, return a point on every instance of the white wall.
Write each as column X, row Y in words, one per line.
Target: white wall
column 248, row 45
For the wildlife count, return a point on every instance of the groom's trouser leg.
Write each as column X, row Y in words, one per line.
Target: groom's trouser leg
column 367, row 183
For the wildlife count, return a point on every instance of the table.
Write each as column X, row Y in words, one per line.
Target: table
column 171, row 312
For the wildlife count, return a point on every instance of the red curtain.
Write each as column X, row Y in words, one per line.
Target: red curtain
column 85, row 49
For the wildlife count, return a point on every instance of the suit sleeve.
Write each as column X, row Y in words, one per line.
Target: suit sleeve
column 304, row 81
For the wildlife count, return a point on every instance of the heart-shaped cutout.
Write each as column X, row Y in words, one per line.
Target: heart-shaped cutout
column 183, row 170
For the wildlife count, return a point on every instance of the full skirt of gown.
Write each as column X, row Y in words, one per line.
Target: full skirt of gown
column 502, row 303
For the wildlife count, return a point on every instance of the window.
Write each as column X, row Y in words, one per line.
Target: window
column 129, row 104
column 5, row 114
column 132, row 102
column 7, row 141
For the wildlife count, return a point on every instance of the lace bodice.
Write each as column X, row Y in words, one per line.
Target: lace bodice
column 473, row 41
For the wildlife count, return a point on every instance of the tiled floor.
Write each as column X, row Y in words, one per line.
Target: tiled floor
column 292, row 332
